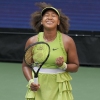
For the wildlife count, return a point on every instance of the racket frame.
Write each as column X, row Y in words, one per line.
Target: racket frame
column 36, row 73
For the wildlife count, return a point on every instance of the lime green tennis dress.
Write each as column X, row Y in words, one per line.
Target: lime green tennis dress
column 53, row 86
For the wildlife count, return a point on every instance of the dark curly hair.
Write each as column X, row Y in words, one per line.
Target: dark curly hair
column 36, row 19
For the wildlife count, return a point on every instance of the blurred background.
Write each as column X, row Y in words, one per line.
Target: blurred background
column 15, row 27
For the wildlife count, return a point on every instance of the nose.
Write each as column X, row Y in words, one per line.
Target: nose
column 50, row 17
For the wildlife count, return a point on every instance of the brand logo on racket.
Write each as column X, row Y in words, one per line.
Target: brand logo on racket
column 40, row 48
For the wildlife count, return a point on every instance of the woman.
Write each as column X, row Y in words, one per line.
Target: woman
column 51, row 25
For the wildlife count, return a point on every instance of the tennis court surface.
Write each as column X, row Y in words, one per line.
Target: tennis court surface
column 85, row 83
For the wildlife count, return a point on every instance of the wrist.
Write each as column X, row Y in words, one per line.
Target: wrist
column 64, row 66
column 30, row 81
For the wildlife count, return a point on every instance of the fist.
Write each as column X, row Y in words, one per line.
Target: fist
column 59, row 61
column 34, row 87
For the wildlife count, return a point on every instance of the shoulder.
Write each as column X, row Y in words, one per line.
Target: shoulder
column 31, row 40
column 68, row 42
column 67, row 38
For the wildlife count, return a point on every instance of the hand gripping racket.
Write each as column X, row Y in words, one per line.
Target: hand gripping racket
column 35, row 56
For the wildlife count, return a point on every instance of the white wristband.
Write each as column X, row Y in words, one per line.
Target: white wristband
column 64, row 66
column 30, row 81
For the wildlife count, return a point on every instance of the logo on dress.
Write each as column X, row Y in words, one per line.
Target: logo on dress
column 54, row 49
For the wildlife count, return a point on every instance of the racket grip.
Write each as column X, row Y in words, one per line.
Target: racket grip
column 36, row 80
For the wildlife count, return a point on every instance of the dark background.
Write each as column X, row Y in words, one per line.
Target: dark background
column 15, row 27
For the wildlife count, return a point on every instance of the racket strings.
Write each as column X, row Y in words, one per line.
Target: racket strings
column 36, row 54
column 40, row 53
column 28, row 56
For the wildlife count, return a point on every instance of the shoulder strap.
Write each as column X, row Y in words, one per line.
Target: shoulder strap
column 40, row 36
column 61, row 42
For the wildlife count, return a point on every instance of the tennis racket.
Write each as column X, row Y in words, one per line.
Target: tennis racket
column 35, row 56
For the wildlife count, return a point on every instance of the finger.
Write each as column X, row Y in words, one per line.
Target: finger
column 60, row 60
column 58, row 63
column 34, row 87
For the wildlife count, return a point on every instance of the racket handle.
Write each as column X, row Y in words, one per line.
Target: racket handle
column 36, row 80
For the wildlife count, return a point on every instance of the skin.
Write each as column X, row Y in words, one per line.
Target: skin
column 50, row 21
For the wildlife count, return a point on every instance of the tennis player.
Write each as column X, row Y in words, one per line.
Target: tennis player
column 54, row 76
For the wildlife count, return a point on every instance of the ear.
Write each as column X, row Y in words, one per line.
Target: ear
column 41, row 23
column 58, row 22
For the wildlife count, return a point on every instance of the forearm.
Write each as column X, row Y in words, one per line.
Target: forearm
column 27, row 72
column 72, row 67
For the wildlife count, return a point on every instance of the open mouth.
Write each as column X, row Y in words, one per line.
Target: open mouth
column 49, row 22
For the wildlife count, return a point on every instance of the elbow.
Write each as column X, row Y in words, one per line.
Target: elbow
column 75, row 68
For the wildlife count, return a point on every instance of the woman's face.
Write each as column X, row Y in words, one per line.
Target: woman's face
column 50, row 20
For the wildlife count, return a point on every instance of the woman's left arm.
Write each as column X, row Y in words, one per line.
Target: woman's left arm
column 72, row 58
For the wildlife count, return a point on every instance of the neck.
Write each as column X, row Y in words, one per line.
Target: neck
column 49, row 35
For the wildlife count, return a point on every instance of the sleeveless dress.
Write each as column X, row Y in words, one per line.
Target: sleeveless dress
column 52, row 86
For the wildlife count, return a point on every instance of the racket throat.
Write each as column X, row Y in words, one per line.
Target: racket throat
column 36, row 75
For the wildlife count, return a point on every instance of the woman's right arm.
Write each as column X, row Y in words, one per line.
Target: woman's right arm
column 26, row 70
